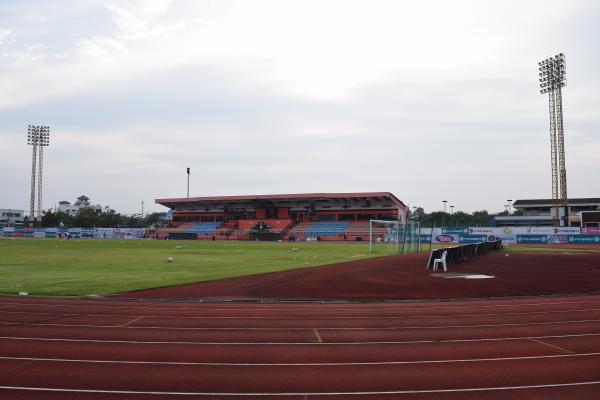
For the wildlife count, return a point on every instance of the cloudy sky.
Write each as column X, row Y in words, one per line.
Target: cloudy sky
column 431, row 100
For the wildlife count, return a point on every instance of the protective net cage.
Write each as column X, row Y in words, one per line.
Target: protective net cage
column 393, row 237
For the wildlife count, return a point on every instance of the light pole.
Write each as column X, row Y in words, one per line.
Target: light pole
column 552, row 73
column 444, row 214
column 37, row 136
column 188, row 182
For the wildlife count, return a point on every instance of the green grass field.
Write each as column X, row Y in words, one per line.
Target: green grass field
column 84, row 267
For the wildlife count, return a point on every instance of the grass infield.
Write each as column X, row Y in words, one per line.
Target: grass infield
column 55, row 267
column 83, row 267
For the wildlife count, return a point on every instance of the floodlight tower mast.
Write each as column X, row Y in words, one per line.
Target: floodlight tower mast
column 37, row 136
column 552, row 75
column 43, row 142
column 32, row 140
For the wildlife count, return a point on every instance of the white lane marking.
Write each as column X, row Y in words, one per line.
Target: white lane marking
column 201, row 306
column 423, row 391
column 318, row 336
column 558, row 348
column 295, row 343
column 132, row 321
column 316, row 364
column 285, row 329
column 303, row 317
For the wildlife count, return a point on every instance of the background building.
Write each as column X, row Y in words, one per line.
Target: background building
column 11, row 218
column 81, row 202
column 536, row 212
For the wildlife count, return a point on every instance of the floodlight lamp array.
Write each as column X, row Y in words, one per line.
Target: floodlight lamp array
column 38, row 135
column 552, row 73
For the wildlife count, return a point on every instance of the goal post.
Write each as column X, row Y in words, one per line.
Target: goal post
column 394, row 237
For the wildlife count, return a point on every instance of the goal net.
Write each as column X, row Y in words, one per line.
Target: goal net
column 392, row 237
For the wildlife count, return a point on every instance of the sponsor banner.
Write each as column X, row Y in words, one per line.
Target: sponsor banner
column 558, row 239
column 51, row 233
column 445, row 239
column 584, row 239
column 472, row 238
column 75, row 233
column 39, row 233
column 87, row 233
column 485, row 231
column 104, row 233
column 455, row 231
column 532, row 239
column 425, row 238
column 8, row 229
column 592, row 230
column 548, row 230
column 508, row 239
column 566, row 230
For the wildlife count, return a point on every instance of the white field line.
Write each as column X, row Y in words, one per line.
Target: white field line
column 224, row 394
column 21, row 338
column 303, row 317
column 201, row 306
column 332, row 364
column 285, row 329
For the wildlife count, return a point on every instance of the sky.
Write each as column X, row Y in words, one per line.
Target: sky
column 429, row 100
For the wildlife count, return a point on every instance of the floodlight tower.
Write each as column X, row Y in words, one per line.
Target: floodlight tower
column 37, row 136
column 552, row 73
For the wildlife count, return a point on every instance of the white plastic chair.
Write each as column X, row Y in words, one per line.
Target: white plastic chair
column 442, row 261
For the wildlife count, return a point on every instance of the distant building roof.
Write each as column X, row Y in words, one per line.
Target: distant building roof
column 171, row 202
column 548, row 202
column 83, row 197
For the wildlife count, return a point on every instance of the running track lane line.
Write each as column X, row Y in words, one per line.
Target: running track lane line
column 71, row 315
column 332, row 364
column 33, row 324
column 224, row 394
column 297, row 343
column 206, row 305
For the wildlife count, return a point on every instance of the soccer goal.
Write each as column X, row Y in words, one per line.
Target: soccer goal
column 392, row 237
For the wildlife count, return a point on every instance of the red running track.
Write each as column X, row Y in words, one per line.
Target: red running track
column 535, row 348
column 404, row 277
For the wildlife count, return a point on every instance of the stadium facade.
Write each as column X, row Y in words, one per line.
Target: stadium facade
column 325, row 216
column 537, row 212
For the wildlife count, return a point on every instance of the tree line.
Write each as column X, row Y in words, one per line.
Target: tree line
column 88, row 218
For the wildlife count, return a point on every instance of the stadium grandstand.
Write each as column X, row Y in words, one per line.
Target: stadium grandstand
column 317, row 216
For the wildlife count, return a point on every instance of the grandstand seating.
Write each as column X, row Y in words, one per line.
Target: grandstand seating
column 361, row 228
column 204, row 228
column 327, row 228
column 227, row 228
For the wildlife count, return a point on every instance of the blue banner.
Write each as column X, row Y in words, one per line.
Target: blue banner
column 584, row 239
column 532, row 239
column 472, row 238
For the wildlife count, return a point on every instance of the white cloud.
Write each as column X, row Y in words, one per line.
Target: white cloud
column 4, row 35
column 279, row 96
column 132, row 17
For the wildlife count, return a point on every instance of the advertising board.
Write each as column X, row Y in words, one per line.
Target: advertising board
column 584, row 239
column 472, row 238
column 532, row 239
